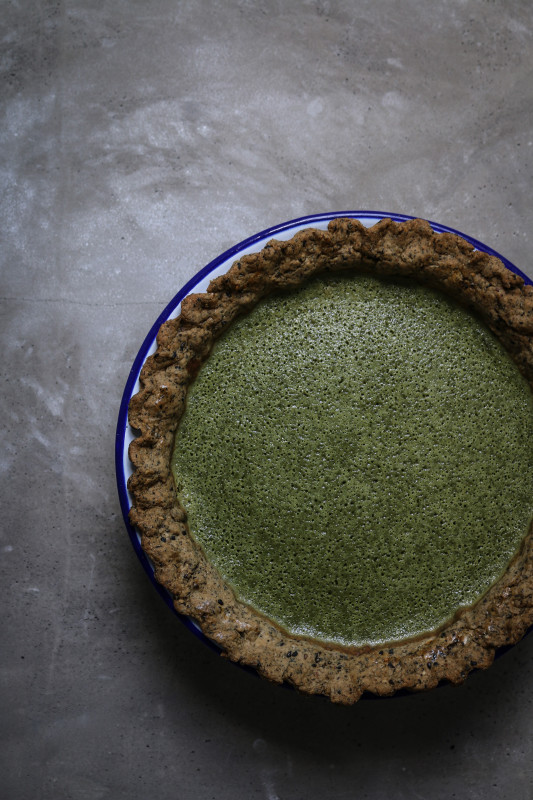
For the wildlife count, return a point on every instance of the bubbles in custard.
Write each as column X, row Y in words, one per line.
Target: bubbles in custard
column 355, row 459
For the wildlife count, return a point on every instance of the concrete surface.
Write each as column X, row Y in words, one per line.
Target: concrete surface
column 138, row 141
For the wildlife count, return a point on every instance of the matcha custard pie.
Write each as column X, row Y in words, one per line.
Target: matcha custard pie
column 332, row 468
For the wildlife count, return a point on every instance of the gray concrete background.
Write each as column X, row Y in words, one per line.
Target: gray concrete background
column 138, row 141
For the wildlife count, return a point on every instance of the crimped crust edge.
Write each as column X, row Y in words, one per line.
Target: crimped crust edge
column 443, row 261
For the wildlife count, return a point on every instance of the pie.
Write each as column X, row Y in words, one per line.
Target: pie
column 333, row 473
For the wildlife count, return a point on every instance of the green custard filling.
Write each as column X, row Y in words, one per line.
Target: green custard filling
column 355, row 458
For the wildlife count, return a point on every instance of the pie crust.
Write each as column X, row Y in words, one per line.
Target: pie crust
column 442, row 261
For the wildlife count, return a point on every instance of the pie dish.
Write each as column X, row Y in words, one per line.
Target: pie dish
column 340, row 667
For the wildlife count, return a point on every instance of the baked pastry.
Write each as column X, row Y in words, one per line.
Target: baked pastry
column 312, row 575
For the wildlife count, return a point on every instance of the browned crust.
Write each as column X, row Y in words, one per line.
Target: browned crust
column 443, row 261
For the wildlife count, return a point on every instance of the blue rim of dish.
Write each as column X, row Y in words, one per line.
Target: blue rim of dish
column 368, row 217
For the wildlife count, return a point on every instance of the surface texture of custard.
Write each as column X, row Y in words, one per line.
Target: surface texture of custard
column 355, row 459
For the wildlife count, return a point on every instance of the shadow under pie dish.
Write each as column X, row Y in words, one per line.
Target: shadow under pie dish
column 332, row 472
